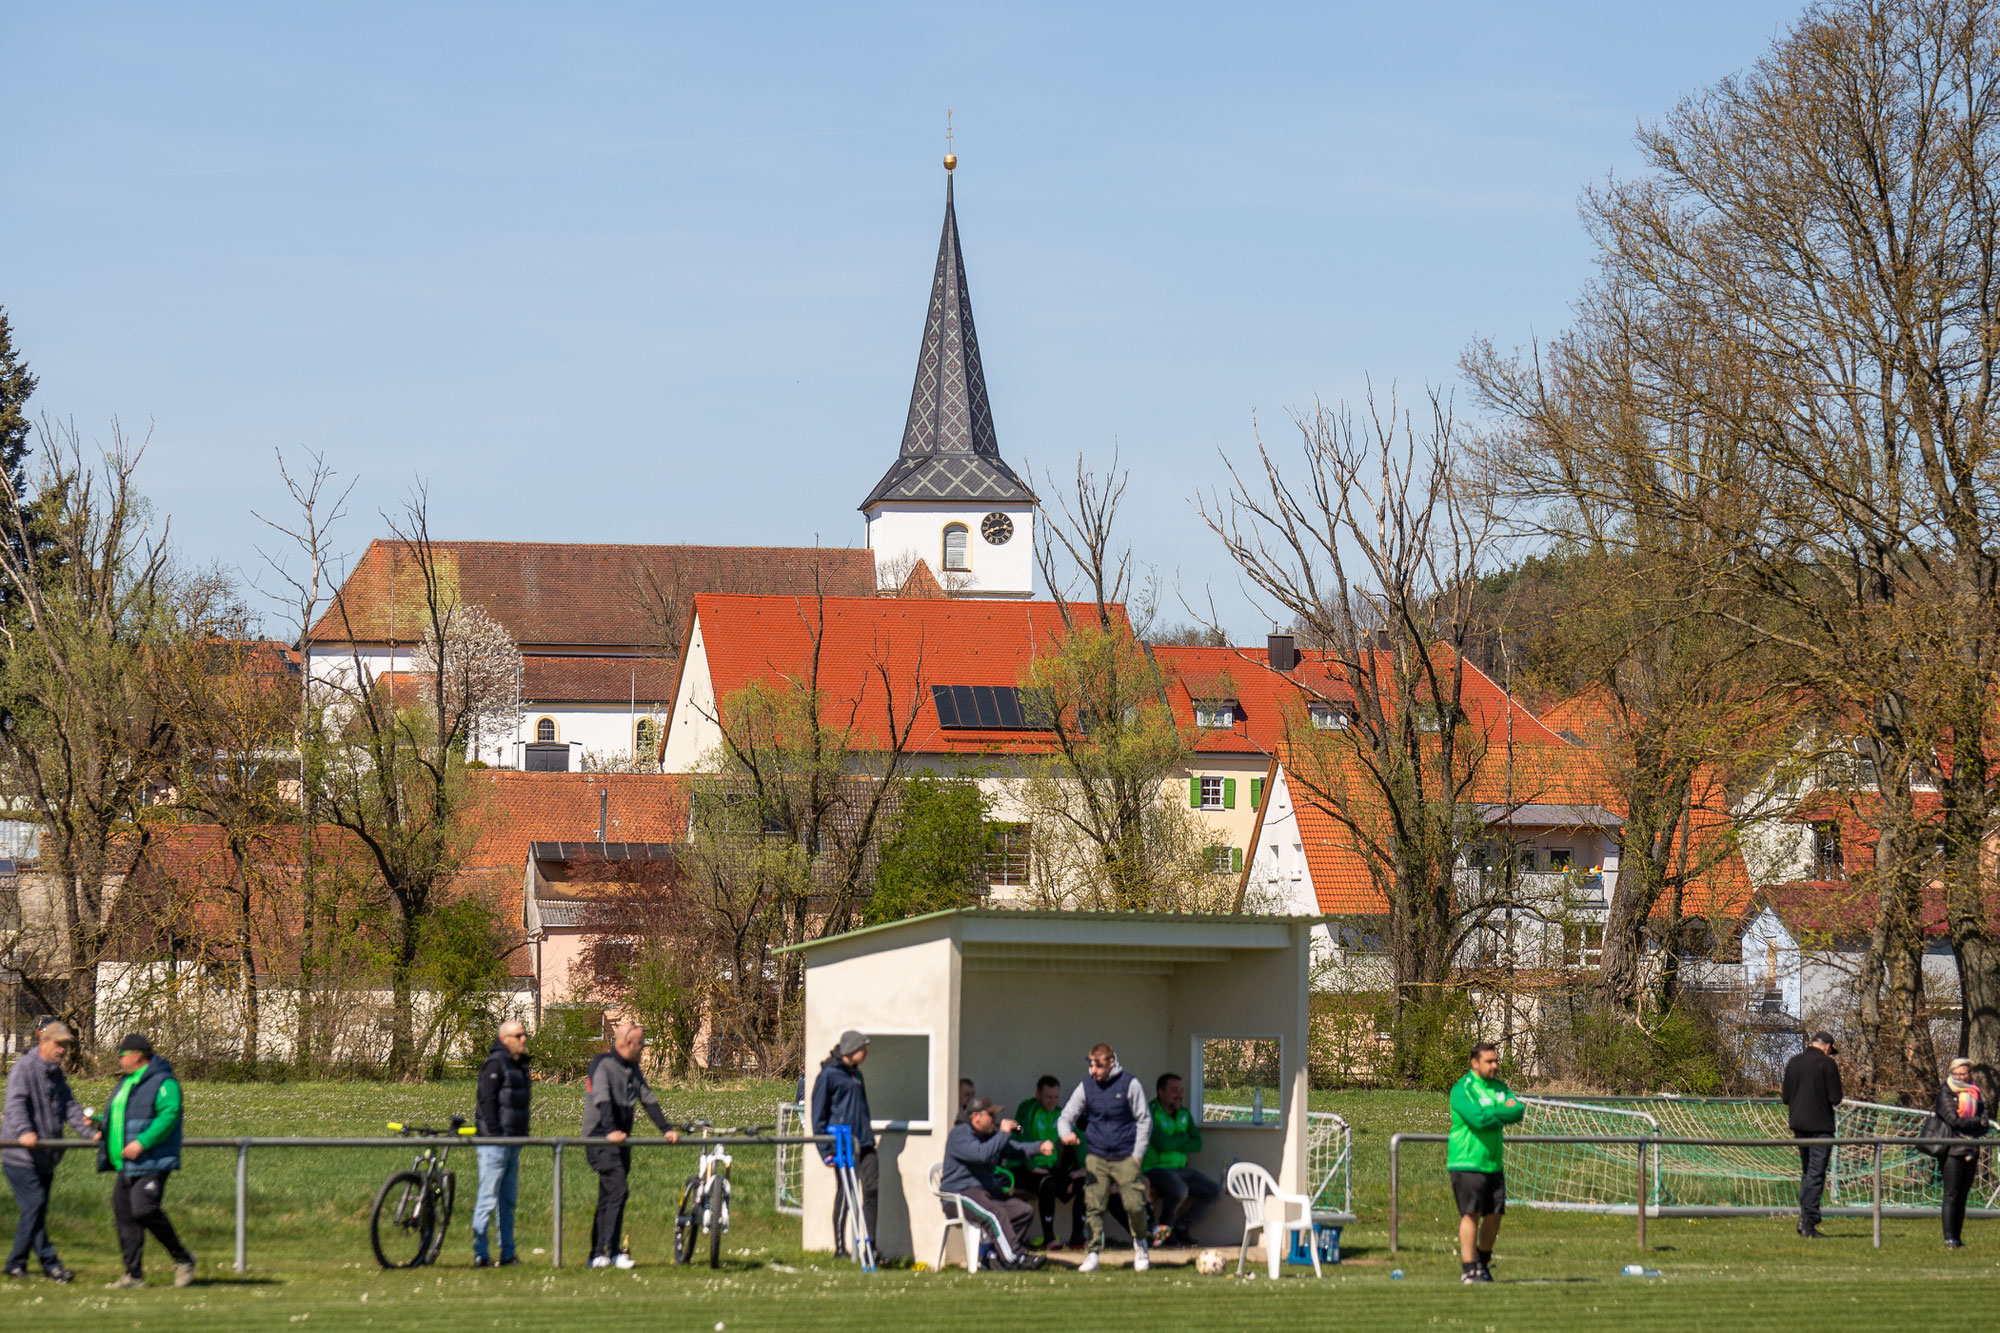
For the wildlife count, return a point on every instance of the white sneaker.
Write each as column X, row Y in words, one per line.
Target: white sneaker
column 1089, row 1264
column 623, row 1261
column 600, row 1262
column 1141, row 1261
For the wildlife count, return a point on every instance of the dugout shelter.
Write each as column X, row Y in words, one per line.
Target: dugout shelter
column 1003, row 996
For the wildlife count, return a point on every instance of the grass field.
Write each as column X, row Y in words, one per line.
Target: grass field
column 310, row 1263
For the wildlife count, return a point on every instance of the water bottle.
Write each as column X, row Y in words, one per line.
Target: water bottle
column 1633, row 1270
column 1396, row 1273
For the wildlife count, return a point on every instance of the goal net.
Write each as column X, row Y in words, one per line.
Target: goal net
column 1693, row 1179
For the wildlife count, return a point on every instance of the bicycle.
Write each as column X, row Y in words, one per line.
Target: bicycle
column 705, row 1198
column 416, row 1204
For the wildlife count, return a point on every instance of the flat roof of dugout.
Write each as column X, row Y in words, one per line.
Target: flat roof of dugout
column 1003, row 997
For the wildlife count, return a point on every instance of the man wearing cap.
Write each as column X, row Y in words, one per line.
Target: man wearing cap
column 1108, row 1114
column 142, row 1143
column 1812, row 1093
column 976, row 1144
column 840, row 1097
column 39, row 1105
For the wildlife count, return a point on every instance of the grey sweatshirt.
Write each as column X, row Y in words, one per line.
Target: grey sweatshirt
column 38, row 1101
column 616, row 1091
column 1135, row 1097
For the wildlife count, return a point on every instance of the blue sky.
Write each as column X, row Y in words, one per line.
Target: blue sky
column 657, row 273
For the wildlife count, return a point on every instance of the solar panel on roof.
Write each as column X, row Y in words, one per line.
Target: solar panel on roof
column 992, row 707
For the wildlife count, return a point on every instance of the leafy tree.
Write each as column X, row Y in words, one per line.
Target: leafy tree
column 934, row 858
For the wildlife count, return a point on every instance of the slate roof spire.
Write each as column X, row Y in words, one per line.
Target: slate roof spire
column 949, row 449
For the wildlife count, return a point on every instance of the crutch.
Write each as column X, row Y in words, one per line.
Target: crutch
column 850, row 1190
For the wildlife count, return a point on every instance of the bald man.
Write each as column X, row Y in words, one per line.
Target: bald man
column 504, row 1091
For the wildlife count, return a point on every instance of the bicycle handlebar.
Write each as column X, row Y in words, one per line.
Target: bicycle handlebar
column 458, row 1128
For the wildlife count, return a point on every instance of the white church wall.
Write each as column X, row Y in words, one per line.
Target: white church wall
column 1007, row 570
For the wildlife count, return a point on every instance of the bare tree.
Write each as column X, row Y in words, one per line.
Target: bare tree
column 1801, row 291
column 1372, row 548
column 83, row 744
column 301, row 578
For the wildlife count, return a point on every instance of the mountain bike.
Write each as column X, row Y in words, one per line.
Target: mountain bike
column 705, row 1197
column 413, row 1207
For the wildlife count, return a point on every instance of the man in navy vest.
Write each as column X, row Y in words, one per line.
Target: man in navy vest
column 142, row 1143
column 1109, row 1108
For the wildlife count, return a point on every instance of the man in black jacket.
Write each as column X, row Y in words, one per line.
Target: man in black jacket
column 840, row 1097
column 614, row 1090
column 502, row 1112
column 1812, row 1093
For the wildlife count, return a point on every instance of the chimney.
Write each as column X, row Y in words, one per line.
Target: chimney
column 1382, row 640
column 603, row 812
column 1282, row 650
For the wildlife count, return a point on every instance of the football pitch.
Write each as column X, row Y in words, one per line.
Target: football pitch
column 310, row 1263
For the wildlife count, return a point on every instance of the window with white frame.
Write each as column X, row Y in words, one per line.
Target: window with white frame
column 1211, row 793
column 1225, row 860
column 1328, row 717
column 1215, row 714
column 957, row 558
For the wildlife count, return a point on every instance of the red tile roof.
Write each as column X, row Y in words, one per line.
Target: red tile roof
column 578, row 593
column 915, row 642
column 551, row 678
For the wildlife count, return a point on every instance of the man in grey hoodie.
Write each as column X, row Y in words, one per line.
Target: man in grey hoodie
column 39, row 1104
column 1109, row 1108
column 615, row 1090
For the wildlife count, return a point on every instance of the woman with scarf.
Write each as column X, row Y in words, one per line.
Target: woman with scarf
column 1962, row 1107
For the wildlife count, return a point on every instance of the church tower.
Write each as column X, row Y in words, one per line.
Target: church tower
column 948, row 499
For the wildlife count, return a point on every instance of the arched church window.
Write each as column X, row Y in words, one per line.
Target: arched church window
column 955, row 542
column 545, row 730
column 643, row 738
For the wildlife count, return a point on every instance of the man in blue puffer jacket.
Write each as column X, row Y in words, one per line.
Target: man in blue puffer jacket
column 142, row 1143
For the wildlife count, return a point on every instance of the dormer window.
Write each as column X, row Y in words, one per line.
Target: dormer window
column 957, row 540
column 1215, row 714
column 1327, row 717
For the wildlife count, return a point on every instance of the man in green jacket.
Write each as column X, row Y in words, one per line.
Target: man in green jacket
column 1053, row 1178
column 1181, row 1194
column 1480, row 1105
column 142, row 1143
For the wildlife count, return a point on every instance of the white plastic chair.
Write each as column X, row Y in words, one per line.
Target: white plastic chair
column 956, row 1207
column 1265, row 1210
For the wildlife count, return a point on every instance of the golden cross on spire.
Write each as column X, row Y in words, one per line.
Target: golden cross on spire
column 950, row 158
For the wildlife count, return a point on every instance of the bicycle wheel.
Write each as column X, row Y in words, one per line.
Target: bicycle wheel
column 717, row 1214
column 687, row 1222
column 401, row 1225
column 444, row 1193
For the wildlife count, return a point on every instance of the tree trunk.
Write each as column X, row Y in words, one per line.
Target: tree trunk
column 402, row 977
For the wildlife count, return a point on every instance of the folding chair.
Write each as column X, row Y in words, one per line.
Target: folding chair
column 1253, row 1187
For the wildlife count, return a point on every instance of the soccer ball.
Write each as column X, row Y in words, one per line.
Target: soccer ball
column 1208, row 1263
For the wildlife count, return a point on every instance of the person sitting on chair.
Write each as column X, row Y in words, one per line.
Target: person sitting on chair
column 1181, row 1194
column 977, row 1144
column 1056, row 1178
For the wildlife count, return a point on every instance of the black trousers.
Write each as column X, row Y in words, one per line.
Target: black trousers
column 31, row 1235
column 1957, row 1173
column 1013, row 1215
column 135, row 1207
column 868, row 1175
column 612, row 1164
column 1062, row 1185
column 1812, row 1178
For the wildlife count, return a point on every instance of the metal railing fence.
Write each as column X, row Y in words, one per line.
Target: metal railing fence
column 409, row 1143
column 1648, row 1146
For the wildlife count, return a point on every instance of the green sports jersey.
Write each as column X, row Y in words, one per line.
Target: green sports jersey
column 1038, row 1125
column 1479, row 1108
column 1175, row 1135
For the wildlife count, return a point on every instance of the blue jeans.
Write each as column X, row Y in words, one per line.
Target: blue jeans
column 31, row 1196
column 499, row 1187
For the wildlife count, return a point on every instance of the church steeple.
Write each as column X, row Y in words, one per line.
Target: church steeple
column 949, row 451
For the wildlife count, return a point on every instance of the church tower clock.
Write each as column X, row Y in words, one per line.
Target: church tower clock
column 949, row 500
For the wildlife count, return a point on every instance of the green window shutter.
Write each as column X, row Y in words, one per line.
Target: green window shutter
column 1229, row 793
column 1235, row 860
column 1194, row 793
column 1256, row 793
